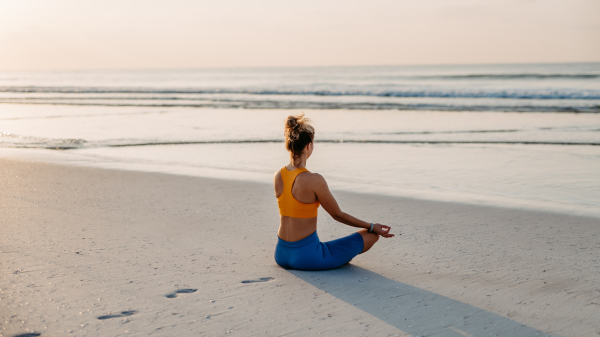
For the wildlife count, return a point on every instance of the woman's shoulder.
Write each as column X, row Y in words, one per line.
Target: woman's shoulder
column 277, row 176
column 311, row 178
column 313, row 175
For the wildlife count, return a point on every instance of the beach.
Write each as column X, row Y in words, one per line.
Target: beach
column 140, row 202
column 102, row 252
column 140, row 143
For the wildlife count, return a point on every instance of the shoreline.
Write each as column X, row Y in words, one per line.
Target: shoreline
column 337, row 184
column 83, row 243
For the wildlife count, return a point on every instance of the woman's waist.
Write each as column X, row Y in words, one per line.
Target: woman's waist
column 294, row 229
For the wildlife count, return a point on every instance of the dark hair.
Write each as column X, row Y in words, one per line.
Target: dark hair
column 298, row 133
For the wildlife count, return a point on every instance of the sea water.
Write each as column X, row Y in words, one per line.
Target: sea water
column 524, row 136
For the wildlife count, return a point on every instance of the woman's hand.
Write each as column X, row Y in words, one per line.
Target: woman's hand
column 382, row 230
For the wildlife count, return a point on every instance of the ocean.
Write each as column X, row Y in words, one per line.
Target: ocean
column 525, row 136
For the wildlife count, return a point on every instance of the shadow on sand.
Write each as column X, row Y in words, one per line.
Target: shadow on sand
column 413, row 310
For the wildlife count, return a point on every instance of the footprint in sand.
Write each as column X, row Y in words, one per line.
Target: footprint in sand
column 180, row 291
column 262, row 279
column 122, row 314
column 29, row 334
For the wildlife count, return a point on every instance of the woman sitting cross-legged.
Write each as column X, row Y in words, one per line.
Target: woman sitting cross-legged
column 299, row 194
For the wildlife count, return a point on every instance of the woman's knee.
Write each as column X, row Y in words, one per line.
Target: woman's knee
column 369, row 239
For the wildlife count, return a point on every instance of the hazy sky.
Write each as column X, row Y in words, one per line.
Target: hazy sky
column 116, row 34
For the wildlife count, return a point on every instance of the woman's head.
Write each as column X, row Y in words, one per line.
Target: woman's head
column 298, row 134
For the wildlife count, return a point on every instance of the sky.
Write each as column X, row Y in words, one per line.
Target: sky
column 148, row 34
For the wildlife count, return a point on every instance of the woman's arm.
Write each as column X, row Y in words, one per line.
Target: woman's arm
column 331, row 206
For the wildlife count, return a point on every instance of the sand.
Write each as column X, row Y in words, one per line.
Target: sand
column 96, row 252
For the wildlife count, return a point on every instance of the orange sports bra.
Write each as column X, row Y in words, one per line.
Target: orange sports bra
column 288, row 205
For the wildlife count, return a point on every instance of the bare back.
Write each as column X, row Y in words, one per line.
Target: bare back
column 294, row 229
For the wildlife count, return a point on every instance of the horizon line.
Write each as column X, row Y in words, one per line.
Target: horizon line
column 297, row 66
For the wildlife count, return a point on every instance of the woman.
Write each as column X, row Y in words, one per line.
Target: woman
column 299, row 194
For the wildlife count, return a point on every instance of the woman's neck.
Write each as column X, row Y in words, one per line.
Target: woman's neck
column 300, row 163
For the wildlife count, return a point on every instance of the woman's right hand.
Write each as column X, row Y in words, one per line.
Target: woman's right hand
column 382, row 230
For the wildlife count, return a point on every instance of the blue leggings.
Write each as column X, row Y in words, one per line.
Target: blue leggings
column 312, row 254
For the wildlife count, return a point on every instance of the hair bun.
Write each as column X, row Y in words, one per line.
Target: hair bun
column 292, row 122
column 298, row 134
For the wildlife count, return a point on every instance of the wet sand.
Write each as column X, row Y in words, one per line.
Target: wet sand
column 96, row 252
